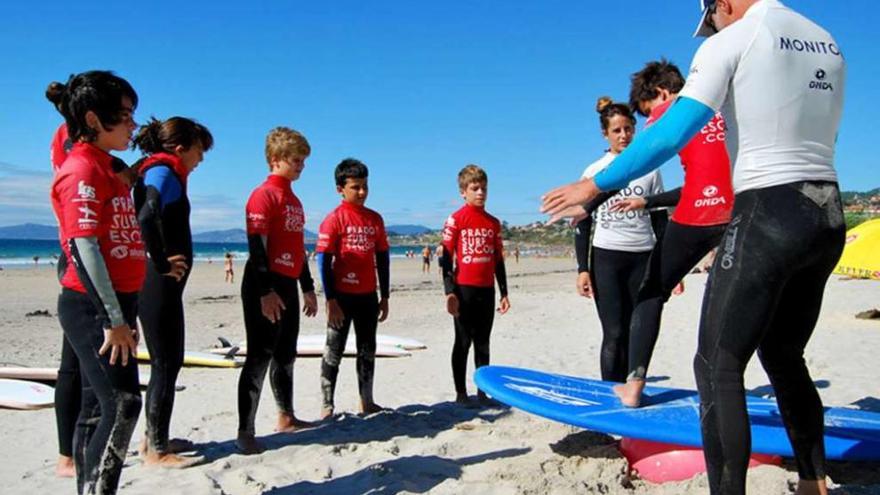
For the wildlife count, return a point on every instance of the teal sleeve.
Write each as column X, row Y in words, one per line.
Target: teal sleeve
column 657, row 144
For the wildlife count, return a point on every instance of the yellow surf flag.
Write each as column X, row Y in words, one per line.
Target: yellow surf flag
column 861, row 254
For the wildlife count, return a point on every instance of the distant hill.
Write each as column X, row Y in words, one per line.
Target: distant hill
column 407, row 229
column 30, row 231
column 235, row 235
column 849, row 196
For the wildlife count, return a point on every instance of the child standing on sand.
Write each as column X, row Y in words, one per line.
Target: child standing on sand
column 352, row 248
column 472, row 238
column 276, row 265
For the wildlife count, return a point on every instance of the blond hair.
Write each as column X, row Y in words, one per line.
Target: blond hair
column 284, row 143
column 470, row 174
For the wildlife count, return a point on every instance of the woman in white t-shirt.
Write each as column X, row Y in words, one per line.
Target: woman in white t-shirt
column 613, row 247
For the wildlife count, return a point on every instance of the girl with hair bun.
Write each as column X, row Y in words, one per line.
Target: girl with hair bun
column 613, row 247
column 104, row 269
column 174, row 148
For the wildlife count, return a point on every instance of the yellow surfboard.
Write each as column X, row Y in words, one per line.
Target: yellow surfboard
column 861, row 254
column 195, row 358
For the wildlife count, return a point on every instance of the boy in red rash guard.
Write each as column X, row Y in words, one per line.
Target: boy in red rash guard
column 702, row 210
column 104, row 270
column 472, row 238
column 276, row 262
column 352, row 248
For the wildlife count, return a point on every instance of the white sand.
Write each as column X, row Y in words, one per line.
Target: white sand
column 427, row 444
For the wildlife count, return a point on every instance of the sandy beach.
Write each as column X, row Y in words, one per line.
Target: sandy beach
column 425, row 443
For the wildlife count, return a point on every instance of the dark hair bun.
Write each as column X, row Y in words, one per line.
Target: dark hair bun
column 55, row 92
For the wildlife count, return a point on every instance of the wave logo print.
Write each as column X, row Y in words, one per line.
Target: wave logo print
column 119, row 252
column 552, row 396
column 710, row 191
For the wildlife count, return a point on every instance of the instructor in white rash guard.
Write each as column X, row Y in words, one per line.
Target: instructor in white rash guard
column 778, row 79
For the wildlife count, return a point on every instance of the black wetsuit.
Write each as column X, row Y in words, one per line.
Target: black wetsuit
column 163, row 212
column 770, row 304
column 615, row 277
column 363, row 311
column 268, row 343
column 476, row 314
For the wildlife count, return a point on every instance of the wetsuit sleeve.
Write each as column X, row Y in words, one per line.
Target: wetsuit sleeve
column 92, row 272
column 599, row 200
column 448, row 272
column 664, row 199
column 306, row 282
column 583, row 233
column 500, row 269
column 657, row 144
column 161, row 189
column 325, row 266
column 383, row 268
column 659, row 220
column 450, row 239
column 260, row 261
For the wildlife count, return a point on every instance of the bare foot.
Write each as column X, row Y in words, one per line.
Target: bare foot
column 288, row 423
column 171, row 461
column 811, row 487
column 326, row 413
column 248, row 445
column 630, row 393
column 370, row 408
column 65, row 467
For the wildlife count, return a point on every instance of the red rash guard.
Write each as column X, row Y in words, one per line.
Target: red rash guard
column 353, row 234
column 90, row 201
column 475, row 238
column 707, row 193
column 275, row 212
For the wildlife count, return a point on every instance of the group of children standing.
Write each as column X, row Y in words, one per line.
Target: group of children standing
column 127, row 254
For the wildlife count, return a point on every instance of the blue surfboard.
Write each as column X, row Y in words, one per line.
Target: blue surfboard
column 667, row 414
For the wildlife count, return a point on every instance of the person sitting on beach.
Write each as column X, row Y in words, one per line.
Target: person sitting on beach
column 702, row 210
column 103, row 272
column 352, row 248
column 228, row 268
column 472, row 238
column 276, row 262
column 174, row 149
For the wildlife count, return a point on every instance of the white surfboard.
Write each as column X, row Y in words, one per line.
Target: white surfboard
column 313, row 349
column 21, row 394
column 51, row 375
column 381, row 339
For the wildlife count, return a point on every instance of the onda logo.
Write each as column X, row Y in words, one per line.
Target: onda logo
column 119, row 252
column 710, row 191
column 285, row 256
column 351, row 275
column 819, row 83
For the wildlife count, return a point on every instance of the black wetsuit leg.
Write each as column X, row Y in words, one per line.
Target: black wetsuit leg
column 476, row 313
column 270, row 346
column 682, row 247
column 111, row 399
column 68, row 398
column 363, row 311
column 160, row 309
column 616, row 278
column 764, row 293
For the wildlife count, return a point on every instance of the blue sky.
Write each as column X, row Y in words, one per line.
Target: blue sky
column 414, row 89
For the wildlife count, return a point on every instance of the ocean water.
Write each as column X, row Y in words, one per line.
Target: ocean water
column 21, row 252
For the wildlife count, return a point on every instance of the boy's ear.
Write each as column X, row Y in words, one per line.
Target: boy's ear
column 179, row 149
column 339, row 189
